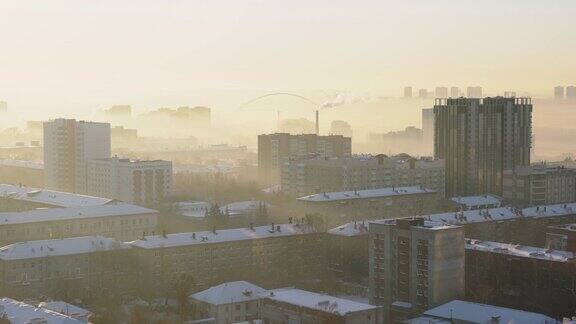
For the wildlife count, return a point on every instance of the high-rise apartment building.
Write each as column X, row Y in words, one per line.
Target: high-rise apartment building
column 474, row 92
column 571, row 92
column 441, row 92
column 138, row 182
column 414, row 265
column 559, row 93
column 68, row 146
column 454, row 92
column 428, row 129
column 273, row 149
column 479, row 139
column 407, row 92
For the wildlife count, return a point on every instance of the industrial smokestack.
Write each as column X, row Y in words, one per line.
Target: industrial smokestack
column 317, row 123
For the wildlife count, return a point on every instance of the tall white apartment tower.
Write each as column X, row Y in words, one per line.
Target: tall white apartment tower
column 68, row 146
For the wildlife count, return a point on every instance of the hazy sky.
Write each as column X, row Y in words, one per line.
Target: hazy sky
column 73, row 54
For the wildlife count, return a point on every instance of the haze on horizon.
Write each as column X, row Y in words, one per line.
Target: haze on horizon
column 75, row 57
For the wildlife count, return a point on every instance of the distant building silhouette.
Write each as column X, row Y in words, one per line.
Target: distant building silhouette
column 441, row 92
column 407, row 92
column 571, row 92
column 340, row 127
column 422, row 93
column 273, row 149
column 559, row 93
column 474, row 92
column 454, row 92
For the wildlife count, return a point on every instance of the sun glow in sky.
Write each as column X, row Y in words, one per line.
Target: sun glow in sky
column 71, row 54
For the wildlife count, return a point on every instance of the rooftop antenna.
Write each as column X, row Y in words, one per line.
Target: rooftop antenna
column 278, row 120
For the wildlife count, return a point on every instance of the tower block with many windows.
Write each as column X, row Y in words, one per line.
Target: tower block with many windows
column 479, row 139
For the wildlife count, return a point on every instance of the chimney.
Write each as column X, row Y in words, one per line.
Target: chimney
column 317, row 123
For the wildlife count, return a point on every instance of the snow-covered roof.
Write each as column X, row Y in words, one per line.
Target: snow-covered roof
column 58, row 247
column 478, row 201
column 229, row 292
column 20, row 313
column 550, row 210
column 359, row 228
column 519, row 250
column 226, row 235
column 50, row 197
column 368, row 193
column 475, row 216
column 464, row 311
column 54, row 214
column 241, row 207
column 196, row 209
column 66, row 309
column 350, row 229
column 22, row 164
column 428, row 320
column 316, row 301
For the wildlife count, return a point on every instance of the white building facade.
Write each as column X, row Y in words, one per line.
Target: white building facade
column 139, row 182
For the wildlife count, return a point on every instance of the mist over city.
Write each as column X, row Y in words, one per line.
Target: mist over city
column 287, row 162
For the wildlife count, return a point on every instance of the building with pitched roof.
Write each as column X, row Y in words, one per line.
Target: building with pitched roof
column 228, row 302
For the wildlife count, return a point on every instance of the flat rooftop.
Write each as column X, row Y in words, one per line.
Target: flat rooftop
column 22, row 164
column 50, row 197
column 468, row 312
column 550, row 210
column 316, row 301
column 59, row 247
column 225, row 235
column 369, row 193
column 476, row 201
column 474, row 216
column 19, row 312
column 56, row 214
column 359, row 228
column 519, row 250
